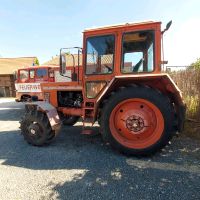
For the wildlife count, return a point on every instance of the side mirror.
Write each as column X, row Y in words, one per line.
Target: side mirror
column 62, row 63
column 168, row 25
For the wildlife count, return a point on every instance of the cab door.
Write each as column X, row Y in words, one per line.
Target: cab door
column 99, row 63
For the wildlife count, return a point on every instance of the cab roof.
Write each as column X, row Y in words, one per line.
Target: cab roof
column 116, row 26
column 33, row 67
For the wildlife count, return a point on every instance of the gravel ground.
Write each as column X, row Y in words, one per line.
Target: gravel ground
column 82, row 167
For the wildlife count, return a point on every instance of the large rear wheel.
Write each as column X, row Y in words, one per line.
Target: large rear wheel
column 137, row 120
column 36, row 129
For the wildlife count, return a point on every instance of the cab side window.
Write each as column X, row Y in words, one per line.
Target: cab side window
column 100, row 54
column 32, row 73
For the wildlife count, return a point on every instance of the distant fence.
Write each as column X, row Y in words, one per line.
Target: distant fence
column 188, row 80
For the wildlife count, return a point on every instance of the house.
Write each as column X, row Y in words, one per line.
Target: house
column 71, row 60
column 8, row 67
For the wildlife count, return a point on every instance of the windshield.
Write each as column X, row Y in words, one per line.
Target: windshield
column 41, row 73
column 24, row 75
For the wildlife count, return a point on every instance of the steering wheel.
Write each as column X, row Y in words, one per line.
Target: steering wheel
column 109, row 68
column 137, row 66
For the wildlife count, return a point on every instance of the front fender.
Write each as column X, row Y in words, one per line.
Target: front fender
column 50, row 111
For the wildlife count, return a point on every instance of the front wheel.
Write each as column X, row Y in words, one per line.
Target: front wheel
column 137, row 120
column 36, row 129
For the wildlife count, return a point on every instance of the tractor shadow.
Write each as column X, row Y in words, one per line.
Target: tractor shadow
column 72, row 150
column 97, row 171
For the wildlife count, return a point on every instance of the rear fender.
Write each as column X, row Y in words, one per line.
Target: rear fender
column 50, row 111
column 161, row 82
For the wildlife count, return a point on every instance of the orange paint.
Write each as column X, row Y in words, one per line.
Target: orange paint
column 136, row 123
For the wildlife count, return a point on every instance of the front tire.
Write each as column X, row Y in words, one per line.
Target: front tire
column 137, row 120
column 36, row 129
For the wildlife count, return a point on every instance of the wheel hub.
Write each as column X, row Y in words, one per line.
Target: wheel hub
column 134, row 123
column 34, row 129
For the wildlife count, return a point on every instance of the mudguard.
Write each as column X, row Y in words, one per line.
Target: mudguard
column 161, row 82
column 50, row 111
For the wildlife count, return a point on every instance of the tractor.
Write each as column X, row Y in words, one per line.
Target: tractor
column 120, row 85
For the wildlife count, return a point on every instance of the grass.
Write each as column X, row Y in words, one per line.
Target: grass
column 193, row 106
column 189, row 83
column 192, row 124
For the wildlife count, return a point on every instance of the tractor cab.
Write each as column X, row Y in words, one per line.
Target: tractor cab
column 121, row 50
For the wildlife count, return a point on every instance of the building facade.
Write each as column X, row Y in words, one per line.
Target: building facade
column 8, row 69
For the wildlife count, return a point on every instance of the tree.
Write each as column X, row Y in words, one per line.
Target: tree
column 37, row 61
column 196, row 64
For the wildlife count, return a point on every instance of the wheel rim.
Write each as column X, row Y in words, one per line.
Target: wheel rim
column 35, row 131
column 136, row 123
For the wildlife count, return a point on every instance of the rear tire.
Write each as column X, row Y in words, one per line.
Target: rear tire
column 36, row 129
column 137, row 120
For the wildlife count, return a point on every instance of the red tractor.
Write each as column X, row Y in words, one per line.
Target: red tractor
column 29, row 79
column 120, row 85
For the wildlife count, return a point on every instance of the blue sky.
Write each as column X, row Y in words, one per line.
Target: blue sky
column 40, row 27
